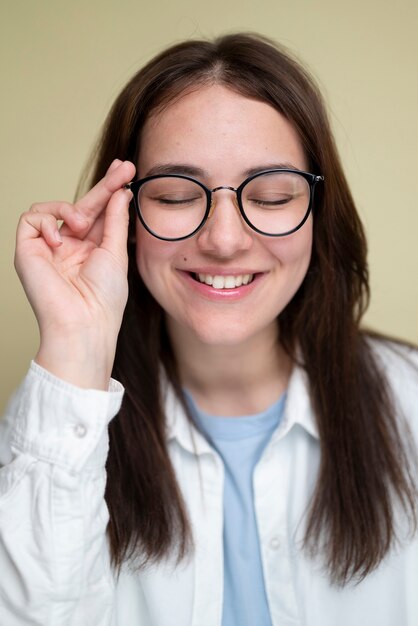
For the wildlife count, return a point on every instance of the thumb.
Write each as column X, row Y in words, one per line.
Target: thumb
column 116, row 221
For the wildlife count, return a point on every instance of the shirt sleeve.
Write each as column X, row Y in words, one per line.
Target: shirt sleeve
column 54, row 557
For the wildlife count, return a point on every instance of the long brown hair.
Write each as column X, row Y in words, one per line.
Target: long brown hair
column 365, row 465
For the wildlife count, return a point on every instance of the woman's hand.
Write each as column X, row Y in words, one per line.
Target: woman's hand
column 76, row 278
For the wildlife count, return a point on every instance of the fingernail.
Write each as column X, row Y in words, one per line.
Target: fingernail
column 115, row 163
column 57, row 236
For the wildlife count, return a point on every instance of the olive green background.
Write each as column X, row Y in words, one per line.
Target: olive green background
column 63, row 63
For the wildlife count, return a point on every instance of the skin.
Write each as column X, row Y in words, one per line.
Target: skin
column 224, row 134
column 75, row 278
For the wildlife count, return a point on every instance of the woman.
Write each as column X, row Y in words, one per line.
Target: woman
column 262, row 465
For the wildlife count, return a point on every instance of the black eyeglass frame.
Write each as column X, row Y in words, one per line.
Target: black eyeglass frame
column 312, row 179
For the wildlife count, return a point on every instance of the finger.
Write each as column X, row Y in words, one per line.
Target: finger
column 116, row 221
column 34, row 225
column 96, row 200
column 63, row 211
column 74, row 221
column 115, row 163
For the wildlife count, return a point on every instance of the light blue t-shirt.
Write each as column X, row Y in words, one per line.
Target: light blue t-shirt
column 240, row 442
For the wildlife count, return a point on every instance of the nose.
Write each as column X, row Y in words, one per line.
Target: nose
column 225, row 233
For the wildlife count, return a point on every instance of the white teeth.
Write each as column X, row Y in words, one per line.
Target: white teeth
column 206, row 279
column 225, row 282
column 229, row 282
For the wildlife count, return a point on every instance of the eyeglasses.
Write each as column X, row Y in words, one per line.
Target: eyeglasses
column 274, row 203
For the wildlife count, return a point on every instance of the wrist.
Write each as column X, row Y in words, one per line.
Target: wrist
column 83, row 361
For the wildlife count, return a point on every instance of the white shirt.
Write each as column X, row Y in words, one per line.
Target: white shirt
column 54, row 560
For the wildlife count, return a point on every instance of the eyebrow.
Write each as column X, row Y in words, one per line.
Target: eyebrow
column 197, row 172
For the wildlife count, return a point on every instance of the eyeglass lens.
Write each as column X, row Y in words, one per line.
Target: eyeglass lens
column 274, row 203
column 172, row 207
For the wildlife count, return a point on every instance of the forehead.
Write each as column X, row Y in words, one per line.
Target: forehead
column 217, row 129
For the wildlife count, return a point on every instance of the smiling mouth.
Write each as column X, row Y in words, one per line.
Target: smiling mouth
column 223, row 282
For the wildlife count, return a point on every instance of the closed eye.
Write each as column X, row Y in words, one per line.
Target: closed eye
column 175, row 201
column 270, row 203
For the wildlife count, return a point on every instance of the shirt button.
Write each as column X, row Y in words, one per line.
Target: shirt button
column 80, row 430
column 275, row 543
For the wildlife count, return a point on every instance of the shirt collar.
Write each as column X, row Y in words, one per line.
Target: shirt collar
column 298, row 407
column 297, row 410
column 180, row 428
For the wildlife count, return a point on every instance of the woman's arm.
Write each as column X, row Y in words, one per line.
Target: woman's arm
column 54, row 560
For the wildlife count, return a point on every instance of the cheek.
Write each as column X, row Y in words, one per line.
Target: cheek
column 155, row 260
column 149, row 248
column 148, row 255
column 294, row 251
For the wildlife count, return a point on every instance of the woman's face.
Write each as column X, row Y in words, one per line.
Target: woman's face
column 222, row 135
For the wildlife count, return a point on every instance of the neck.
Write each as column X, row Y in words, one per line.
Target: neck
column 232, row 380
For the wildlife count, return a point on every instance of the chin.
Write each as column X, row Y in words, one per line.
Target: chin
column 221, row 332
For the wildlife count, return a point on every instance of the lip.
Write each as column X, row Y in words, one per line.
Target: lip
column 221, row 295
column 218, row 271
